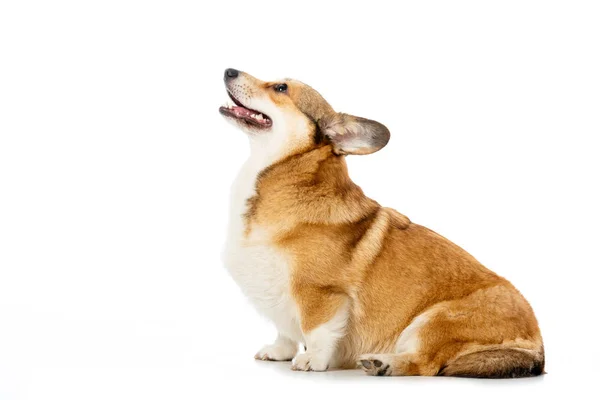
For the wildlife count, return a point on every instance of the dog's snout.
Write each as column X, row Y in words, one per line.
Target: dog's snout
column 231, row 73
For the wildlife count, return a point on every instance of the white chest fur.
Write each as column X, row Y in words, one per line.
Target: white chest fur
column 260, row 269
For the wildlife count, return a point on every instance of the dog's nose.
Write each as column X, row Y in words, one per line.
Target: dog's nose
column 231, row 73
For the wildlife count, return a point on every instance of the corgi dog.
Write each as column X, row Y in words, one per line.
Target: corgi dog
column 357, row 284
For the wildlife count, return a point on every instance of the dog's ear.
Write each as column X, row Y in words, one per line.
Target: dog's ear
column 354, row 135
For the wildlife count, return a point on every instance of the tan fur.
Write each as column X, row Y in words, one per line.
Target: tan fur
column 346, row 247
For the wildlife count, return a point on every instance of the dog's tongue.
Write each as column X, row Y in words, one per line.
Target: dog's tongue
column 242, row 112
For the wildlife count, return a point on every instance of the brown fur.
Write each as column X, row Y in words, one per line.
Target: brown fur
column 347, row 249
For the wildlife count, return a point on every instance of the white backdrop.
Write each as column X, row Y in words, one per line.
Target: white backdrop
column 115, row 168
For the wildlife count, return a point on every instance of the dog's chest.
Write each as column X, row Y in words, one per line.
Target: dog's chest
column 259, row 268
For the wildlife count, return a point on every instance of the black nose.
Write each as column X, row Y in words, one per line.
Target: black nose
column 231, row 73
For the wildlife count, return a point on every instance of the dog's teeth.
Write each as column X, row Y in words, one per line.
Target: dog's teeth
column 259, row 117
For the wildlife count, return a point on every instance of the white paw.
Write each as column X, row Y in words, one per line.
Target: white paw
column 309, row 362
column 277, row 352
column 375, row 364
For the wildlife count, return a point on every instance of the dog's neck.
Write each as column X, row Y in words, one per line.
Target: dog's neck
column 308, row 187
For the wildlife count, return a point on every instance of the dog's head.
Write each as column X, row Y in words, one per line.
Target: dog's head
column 285, row 117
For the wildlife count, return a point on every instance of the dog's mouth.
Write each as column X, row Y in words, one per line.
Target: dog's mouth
column 251, row 117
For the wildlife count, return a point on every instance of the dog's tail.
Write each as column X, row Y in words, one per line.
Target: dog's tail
column 497, row 363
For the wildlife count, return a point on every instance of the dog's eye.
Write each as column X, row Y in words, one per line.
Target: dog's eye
column 281, row 87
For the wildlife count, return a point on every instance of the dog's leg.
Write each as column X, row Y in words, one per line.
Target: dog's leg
column 283, row 349
column 394, row 364
column 482, row 335
column 323, row 317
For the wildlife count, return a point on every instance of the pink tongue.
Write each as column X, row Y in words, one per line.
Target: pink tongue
column 241, row 111
column 244, row 112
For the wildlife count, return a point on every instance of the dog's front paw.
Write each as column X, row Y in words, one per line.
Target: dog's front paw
column 277, row 352
column 309, row 362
